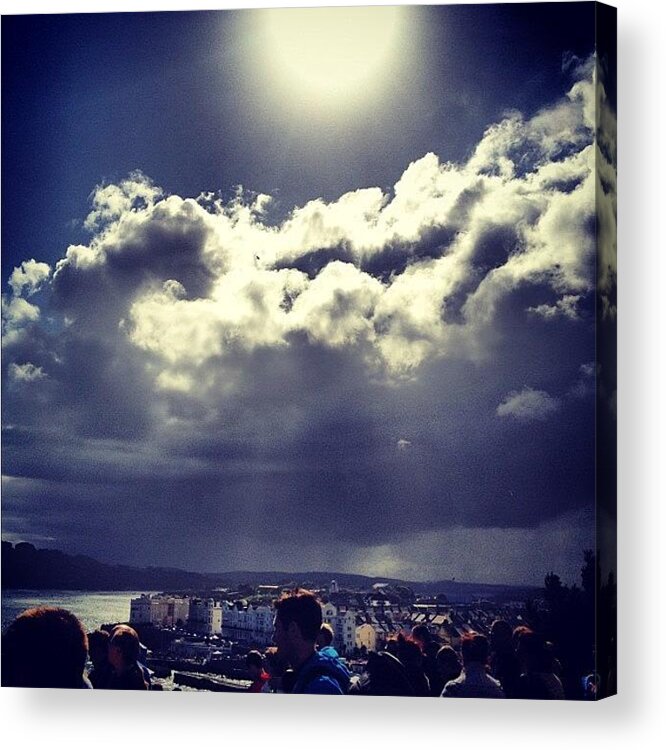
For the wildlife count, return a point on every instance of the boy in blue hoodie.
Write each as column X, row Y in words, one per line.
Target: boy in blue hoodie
column 297, row 625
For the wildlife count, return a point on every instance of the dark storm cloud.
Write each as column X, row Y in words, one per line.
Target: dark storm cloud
column 326, row 467
column 371, row 371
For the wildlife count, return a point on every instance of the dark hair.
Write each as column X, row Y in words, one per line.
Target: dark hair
column 500, row 634
column 474, row 648
column 325, row 635
column 448, row 664
column 98, row 644
column 447, row 657
column 387, row 675
column 44, row 647
column 126, row 639
column 303, row 608
column 422, row 633
column 532, row 648
column 409, row 651
column 254, row 659
column 98, row 639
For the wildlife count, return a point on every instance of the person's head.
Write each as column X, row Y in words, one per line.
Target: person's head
column 254, row 662
column 124, row 647
column 501, row 636
column 297, row 623
column 409, row 652
column 517, row 633
column 44, row 647
column 325, row 637
column 448, row 663
column 474, row 649
column 421, row 635
column 533, row 653
column 98, row 646
column 387, row 675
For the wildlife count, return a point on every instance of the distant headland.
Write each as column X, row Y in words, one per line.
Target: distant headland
column 26, row 567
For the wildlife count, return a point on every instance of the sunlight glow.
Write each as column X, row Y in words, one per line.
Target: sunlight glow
column 331, row 54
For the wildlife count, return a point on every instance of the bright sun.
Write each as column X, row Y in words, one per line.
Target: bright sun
column 331, row 54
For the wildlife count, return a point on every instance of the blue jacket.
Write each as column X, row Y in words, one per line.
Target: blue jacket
column 321, row 675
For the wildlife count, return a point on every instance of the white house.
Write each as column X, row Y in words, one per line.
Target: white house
column 259, row 624
column 165, row 611
column 346, row 625
column 343, row 624
column 328, row 612
column 248, row 623
column 205, row 616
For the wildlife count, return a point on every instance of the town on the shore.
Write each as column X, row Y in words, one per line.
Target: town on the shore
column 203, row 641
column 205, row 629
column 380, row 639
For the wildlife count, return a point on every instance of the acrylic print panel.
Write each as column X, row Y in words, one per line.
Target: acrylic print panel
column 317, row 298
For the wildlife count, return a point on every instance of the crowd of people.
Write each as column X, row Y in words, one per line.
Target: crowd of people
column 510, row 664
column 48, row 647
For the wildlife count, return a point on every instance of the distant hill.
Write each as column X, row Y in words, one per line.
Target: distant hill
column 26, row 567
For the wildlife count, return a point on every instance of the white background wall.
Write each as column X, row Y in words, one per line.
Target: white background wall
column 81, row 719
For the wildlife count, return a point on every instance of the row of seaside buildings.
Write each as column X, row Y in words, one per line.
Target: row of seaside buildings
column 363, row 627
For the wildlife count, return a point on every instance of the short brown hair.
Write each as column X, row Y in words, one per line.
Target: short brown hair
column 303, row 608
column 126, row 639
column 45, row 647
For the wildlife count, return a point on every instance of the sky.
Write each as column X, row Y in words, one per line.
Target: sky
column 304, row 290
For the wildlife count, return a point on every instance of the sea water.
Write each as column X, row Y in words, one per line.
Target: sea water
column 93, row 608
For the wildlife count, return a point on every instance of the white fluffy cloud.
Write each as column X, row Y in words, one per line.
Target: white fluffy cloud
column 27, row 278
column 195, row 280
column 17, row 313
column 527, row 404
column 401, row 278
column 338, row 306
column 25, row 373
column 110, row 202
column 565, row 307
